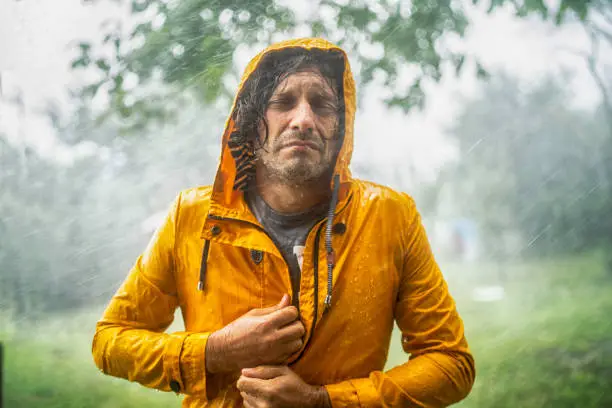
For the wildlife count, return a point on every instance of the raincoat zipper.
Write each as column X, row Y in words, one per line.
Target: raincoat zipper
column 315, row 264
column 319, row 226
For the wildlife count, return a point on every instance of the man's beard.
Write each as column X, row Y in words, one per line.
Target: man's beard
column 300, row 172
column 297, row 170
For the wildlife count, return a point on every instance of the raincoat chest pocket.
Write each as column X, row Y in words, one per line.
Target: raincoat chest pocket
column 220, row 282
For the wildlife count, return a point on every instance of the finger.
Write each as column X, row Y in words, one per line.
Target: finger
column 265, row 372
column 293, row 331
column 250, row 401
column 284, row 302
column 283, row 316
column 252, row 386
column 294, row 346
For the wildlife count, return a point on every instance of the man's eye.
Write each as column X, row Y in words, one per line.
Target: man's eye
column 325, row 107
column 281, row 102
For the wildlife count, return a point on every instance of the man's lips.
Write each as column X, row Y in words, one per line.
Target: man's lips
column 301, row 143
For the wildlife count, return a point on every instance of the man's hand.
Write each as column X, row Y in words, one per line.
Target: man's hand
column 279, row 387
column 261, row 336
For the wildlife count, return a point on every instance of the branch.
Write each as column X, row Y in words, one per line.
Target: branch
column 575, row 52
column 595, row 29
column 592, row 66
column 604, row 9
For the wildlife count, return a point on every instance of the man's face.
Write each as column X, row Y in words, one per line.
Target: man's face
column 302, row 117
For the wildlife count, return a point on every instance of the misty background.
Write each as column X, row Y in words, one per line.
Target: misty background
column 495, row 115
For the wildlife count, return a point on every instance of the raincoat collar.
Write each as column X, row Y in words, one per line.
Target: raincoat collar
column 228, row 203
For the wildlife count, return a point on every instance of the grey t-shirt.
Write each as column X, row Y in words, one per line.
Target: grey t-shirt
column 288, row 231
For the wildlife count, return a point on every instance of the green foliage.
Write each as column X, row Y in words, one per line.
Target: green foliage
column 189, row 45
column 557, row 12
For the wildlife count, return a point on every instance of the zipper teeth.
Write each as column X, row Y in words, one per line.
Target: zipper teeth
column 316, row 290
column 316, row 279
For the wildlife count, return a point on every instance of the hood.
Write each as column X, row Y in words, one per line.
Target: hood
column 223, row 195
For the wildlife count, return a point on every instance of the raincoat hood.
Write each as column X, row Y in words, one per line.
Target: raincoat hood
column 224, row 194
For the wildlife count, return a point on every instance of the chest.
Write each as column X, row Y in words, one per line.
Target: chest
column 246, row 270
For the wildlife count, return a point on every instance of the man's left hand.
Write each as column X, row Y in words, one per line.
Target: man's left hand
column 279, row 387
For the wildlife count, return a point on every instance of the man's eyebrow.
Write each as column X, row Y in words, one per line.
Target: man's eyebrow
column 323, row 91
column 285, row 90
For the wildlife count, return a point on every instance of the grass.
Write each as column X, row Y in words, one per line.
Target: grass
column 548, row 343
column 50, row 365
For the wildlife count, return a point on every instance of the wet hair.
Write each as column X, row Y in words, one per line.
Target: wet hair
column 254, row 96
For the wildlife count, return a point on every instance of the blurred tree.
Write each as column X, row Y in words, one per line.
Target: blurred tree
column 191, row 44
column 599, row 29
column 70, row 232
column 33, row 229
column 530, row 163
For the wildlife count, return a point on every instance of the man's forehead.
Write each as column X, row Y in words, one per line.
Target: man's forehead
column 310, row 79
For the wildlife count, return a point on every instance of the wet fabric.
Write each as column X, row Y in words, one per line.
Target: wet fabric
column 288, row 231
column 383, row 273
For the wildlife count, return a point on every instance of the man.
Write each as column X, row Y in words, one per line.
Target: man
column 289, row 273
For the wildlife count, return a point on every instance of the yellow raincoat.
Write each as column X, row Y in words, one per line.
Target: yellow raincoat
column 383, row 272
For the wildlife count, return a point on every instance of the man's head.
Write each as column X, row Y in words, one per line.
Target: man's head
column 290, row 112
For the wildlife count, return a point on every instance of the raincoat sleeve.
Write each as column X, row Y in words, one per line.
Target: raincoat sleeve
column 130, row 341
column 440, row 370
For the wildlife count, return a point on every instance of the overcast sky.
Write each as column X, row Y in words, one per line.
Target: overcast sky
column 35, row 50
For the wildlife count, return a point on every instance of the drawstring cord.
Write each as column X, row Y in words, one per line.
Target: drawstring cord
column 203, row 265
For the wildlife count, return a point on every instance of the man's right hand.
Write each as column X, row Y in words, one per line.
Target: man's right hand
column 267, row 336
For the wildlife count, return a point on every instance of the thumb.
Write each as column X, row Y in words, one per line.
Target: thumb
column 284, row 302
column 265, row 372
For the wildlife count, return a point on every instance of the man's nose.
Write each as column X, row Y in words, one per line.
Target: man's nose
column 303, row 118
